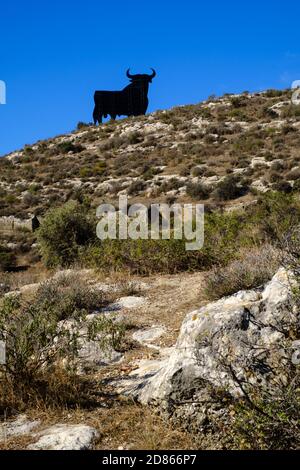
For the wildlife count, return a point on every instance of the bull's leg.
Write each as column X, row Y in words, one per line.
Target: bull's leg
column 113, row 117
column 95, row 115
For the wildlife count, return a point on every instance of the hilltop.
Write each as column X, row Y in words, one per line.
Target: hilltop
column 223, row 151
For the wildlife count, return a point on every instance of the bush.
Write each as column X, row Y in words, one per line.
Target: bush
column 270, row 423
column 30, row 199
column 82, row 125
column 198, row 171
column 7, row 258
column 144, row 257
column 172, row 184
column 41, row 348
column 63, row 232
column 67, row 146
column 262, row 420
column 67, row 236
column 292, row 111
column 223, row 233
column 238, row 101
column 136, row 187
column 272, row 93
column 230, row 188
column 252, row 269
column 198, row 191
column 284, row 187
column 69, row 294
column 85, row 172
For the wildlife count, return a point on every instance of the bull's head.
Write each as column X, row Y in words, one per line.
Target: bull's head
column 141, row 77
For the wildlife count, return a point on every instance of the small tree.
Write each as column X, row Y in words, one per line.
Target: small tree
column 63, row 232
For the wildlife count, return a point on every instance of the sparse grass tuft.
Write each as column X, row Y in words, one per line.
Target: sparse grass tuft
column 251, row 269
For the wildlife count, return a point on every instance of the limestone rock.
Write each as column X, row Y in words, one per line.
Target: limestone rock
column 65, row 437
column 20, row 426
column 148, row 335
column 220, row 345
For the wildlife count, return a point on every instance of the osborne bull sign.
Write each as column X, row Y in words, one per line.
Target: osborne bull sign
column 131, row 101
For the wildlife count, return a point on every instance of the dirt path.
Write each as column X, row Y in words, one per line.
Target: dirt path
column 169, row 299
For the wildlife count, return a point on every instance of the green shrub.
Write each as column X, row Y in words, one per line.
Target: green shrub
column 143, row 257
column 230, row 188
column 292, row 111
column 34, row 188
column 283, row 186
column 7, row 258
column 198, row 170
column 136, row 187
column 30, row 199
column 134, row 138
column 67, row 146
column 11, row 199
column 100, row 168
column 63, row 232
column 172, row 184
column 42, row 348
column 238, row 101
column 223, row 233
column 268, row 422
column 66, row 295
column 85, row 172
column 274, row 216
column 198, row 191
column 267, row 112
column 272, row 93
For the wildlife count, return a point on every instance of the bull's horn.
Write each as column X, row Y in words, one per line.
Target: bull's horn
column 153, row 74
column 128, row 74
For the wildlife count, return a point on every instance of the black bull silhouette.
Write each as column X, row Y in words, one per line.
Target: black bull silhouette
column 131, row 101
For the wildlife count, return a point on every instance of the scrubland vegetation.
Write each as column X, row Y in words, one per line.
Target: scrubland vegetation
column 250, row 231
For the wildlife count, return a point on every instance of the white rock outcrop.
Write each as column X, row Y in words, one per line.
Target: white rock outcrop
column 236, row 340
column 65, row 437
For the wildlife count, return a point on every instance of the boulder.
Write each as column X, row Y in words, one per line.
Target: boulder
column 236, row 340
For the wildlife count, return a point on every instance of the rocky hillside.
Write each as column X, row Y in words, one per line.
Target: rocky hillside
column 228, row 381
column 222, row 151
column 107, row 355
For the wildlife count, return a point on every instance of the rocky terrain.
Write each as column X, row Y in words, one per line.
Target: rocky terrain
column 154, row 348
column 182, row 154
column 228, row 344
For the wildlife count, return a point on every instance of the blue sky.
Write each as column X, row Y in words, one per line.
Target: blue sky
column 54, row 54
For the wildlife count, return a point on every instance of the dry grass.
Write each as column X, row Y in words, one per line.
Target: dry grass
column 252, row 269
column 121, row 424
